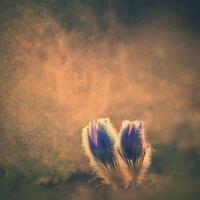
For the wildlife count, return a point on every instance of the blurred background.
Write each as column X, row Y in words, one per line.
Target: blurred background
column 64, row 63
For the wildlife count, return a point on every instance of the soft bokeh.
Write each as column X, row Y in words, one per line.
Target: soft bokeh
column 63, row 65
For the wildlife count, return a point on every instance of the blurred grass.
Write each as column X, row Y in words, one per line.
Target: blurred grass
column 174, row 174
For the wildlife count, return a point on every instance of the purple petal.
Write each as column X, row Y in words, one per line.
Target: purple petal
column 132, row 140
column 93, row 131
column 101, row 144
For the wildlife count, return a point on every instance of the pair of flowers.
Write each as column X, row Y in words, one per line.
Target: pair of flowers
column 119, row 159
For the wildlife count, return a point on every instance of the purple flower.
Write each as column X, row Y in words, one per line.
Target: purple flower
column 100, row 142
column 99, row 138
column 132, row 140
column 135, row 151
column 105, row 149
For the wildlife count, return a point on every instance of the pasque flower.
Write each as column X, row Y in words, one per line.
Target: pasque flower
column 134, row 149
column 119, row 160
column 101, row 142
column 98, row 139
column 132, row 140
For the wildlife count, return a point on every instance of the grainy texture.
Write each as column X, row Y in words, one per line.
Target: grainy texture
column 65, row 63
